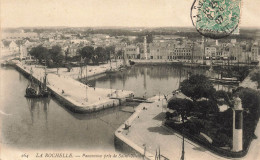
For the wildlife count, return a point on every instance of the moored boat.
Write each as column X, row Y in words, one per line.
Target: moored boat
column 34, row 90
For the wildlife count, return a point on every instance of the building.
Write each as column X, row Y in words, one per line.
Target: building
column 132, row 52
column 182, row 53
column 162, row 50
column 210, row 52
column 9, row 48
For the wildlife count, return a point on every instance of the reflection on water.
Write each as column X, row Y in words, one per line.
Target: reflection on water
column 149, row 80
column 44, row 123
column 39, row 110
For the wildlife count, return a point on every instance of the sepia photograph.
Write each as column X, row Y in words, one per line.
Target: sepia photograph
column 129, row 80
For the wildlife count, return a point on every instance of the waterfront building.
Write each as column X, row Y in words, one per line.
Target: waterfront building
column 132, row 52
column 210, row 52
column 162, row 50
column 182, row 52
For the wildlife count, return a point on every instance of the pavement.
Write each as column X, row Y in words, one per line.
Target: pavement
column 147, row 134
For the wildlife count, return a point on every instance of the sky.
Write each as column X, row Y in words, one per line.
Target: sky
column 123, row 13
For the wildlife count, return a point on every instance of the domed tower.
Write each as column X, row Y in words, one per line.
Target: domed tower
column 237, row 126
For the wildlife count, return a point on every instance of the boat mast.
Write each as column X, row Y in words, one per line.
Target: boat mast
column 45, row 78
column 110, row 60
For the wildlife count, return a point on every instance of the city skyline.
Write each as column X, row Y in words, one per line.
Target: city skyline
column 112, row 13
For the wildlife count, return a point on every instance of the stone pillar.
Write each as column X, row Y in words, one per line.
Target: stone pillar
column 237, row 126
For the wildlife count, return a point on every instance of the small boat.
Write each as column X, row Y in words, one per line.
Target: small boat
column 37, row 90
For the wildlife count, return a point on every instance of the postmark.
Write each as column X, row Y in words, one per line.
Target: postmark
column 215, row 18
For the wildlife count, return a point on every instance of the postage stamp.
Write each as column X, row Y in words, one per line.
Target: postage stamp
column 215, row 18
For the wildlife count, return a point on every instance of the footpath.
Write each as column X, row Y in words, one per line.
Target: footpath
column 76, row 96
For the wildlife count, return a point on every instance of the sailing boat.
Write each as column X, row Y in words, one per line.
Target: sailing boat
column 34, row 90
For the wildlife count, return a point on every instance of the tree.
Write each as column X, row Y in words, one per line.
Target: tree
column 207, row 107
column 119, row 53
column 182, row 106
column 221, row 140
column 197, row 86
column 140, row 38
column 194, row 128
column 87, row 52
column 251, row 101
column 126, row 40
column 56, row 56
column 225, row 95
column 40, row 53
column 255, row 76
column 110, row 51
column 100, row 55
column 66, row 54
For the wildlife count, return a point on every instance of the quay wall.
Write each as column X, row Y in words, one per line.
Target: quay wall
column 69, row 103
column 187, row 64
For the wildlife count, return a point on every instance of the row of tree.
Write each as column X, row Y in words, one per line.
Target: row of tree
column 99, row 54
column 51, row 57
column 55, row 57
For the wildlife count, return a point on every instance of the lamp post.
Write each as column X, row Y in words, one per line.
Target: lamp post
column 183, row 116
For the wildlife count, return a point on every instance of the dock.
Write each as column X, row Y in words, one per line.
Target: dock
column 74, row 95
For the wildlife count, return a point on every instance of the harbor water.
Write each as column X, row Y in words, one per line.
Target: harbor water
column 44, row 123
column 151, row 80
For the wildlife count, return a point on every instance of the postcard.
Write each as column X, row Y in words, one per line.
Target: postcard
column 129, row 79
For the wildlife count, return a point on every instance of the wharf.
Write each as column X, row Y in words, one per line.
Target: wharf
column 74, row 95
